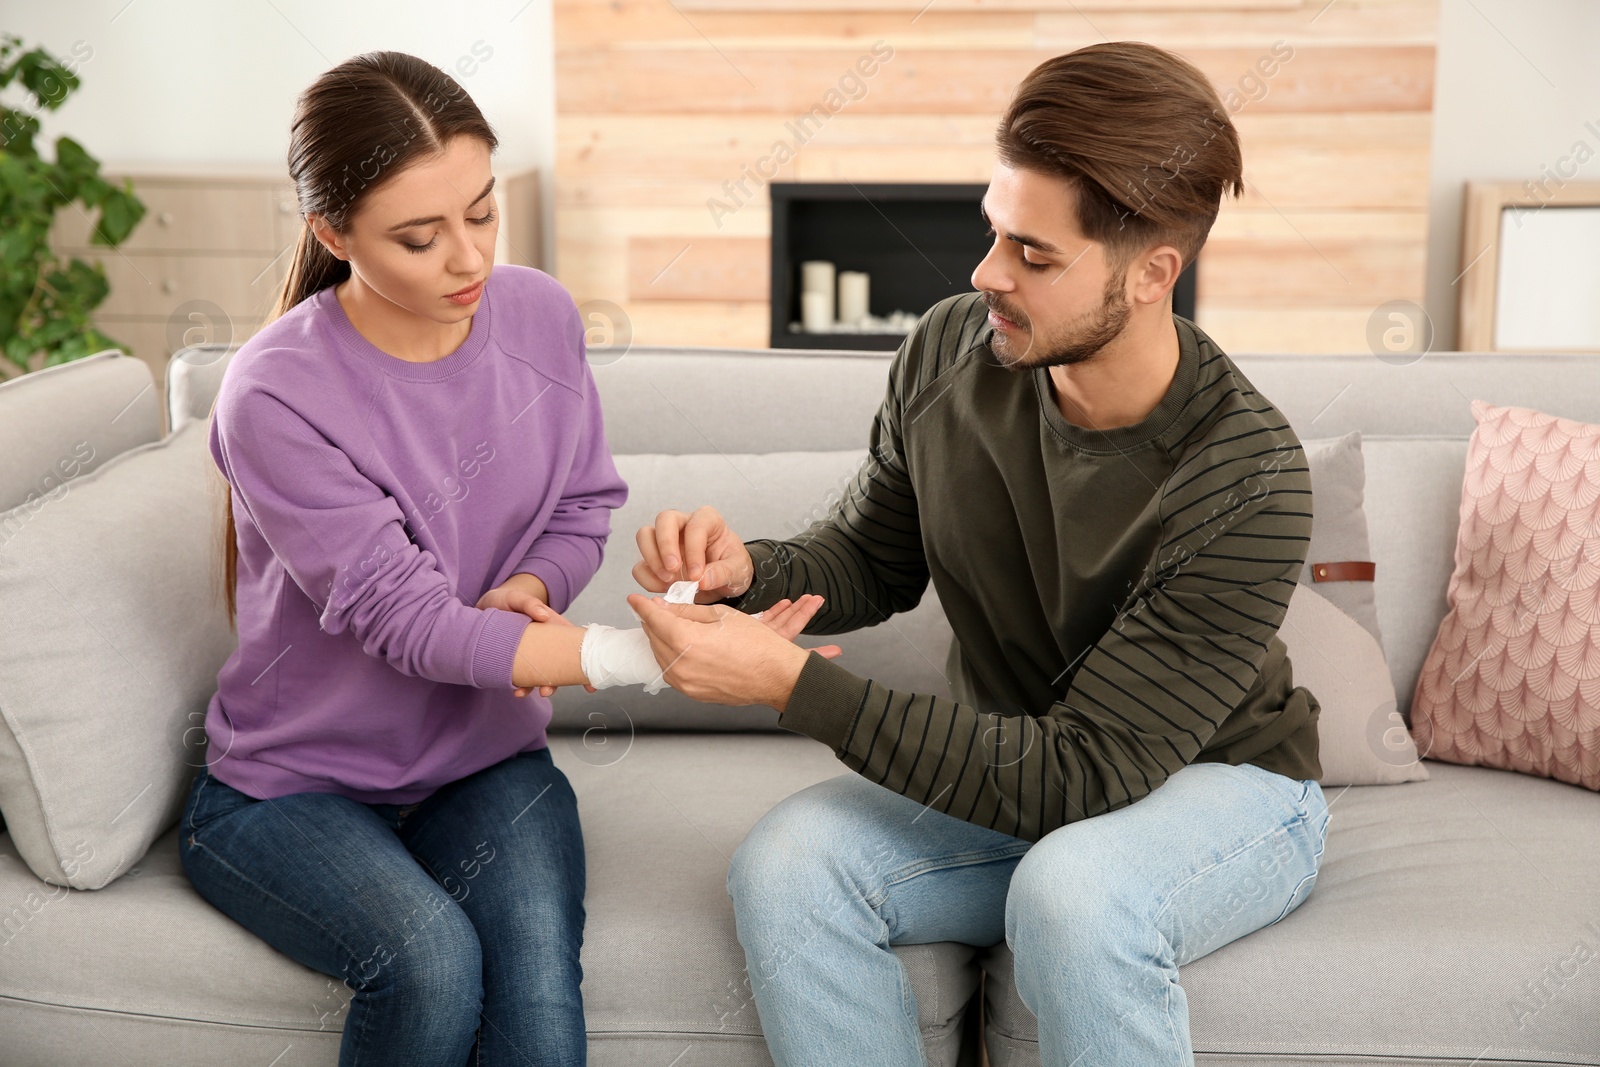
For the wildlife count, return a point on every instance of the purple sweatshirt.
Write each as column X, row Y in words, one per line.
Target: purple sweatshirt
column 375, row 501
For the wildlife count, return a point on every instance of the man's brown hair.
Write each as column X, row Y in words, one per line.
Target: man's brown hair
column 1140, row 135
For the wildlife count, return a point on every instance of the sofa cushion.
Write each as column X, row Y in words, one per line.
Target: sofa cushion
column 779, row 494
column 774, row 494
column 661, row 824
column 172, row 981
column 1333, row 637
column 1361, row 739
column 1512, row 679
column 194, row 375
column 1339, row 525
column 60, row 423
column 1453, row 921
column 1413, row 500
column 111, row 635
column 685, row 400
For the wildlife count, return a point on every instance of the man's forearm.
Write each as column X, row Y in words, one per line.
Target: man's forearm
column 1022, row 775
column 769, row 579
column 860, row 590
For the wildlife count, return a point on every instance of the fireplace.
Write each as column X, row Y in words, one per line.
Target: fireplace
column 917, row 243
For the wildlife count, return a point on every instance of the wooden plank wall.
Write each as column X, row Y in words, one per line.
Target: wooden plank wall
column 669, row 114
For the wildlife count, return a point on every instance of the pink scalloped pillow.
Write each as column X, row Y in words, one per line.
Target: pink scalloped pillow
column 1512, row 679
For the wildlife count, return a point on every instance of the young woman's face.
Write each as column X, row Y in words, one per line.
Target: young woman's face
column 425, row 233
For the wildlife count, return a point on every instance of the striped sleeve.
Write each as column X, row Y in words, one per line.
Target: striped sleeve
column 1147, row 696
column 865, row 558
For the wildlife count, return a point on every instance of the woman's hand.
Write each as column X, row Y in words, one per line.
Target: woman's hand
column 510, row 597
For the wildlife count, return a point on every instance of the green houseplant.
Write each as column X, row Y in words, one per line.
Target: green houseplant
column 45, row 302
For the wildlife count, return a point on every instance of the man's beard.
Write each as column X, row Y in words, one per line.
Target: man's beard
column 1082, row 339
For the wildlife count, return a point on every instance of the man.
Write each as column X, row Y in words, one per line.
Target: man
column 1114, row 521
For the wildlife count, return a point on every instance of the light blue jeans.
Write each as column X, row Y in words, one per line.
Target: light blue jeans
column 1099, row 914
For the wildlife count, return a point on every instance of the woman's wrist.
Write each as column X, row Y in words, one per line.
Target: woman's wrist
column 547, row 654
column 531, row 583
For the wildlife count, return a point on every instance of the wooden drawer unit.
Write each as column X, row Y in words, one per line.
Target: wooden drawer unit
column 146, row 285
column 194, row 215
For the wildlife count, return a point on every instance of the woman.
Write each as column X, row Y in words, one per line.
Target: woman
column 415, row 430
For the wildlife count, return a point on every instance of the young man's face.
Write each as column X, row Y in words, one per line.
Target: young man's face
column 1053, row 297
column 418, row 266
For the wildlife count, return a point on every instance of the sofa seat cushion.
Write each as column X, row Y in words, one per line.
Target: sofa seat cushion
column 1453, row 921
column 147, row 968
column 662, row 966
column 160, row 971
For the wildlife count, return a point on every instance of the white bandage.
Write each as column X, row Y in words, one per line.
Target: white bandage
column 609, row 656
column 683, row 593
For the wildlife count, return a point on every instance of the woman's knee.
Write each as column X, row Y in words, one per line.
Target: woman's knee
column 551, row 781
column 429, row 955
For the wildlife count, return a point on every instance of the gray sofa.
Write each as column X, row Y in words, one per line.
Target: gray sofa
column 1447, row 925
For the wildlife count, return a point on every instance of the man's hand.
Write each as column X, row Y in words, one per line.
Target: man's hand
column 525, row 593
column 714, row 653
column 697, row 547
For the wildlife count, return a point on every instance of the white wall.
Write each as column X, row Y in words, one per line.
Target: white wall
column 1516, row 81
column 185, row 82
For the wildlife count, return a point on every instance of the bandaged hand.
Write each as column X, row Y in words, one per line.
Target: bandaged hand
column 611, row 656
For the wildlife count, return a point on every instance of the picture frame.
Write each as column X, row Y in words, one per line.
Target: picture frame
column 1530, row 267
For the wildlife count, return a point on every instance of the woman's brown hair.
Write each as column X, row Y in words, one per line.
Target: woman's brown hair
column 1140, row 135
column 355, row 127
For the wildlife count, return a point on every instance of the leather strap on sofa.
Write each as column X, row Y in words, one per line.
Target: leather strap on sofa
column 1347, row 571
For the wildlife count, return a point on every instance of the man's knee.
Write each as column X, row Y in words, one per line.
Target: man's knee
column 781, row 847
column 803, row 846
column 1066, row 898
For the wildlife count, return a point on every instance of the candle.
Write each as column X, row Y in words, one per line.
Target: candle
column 816, row 276
column 816, row 311
column 853, row 300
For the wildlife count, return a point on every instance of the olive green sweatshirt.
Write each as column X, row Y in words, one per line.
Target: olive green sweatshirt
column 1115, row 595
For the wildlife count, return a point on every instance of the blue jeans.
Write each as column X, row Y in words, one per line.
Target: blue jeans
column 1099, row 914
column 456, row 921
